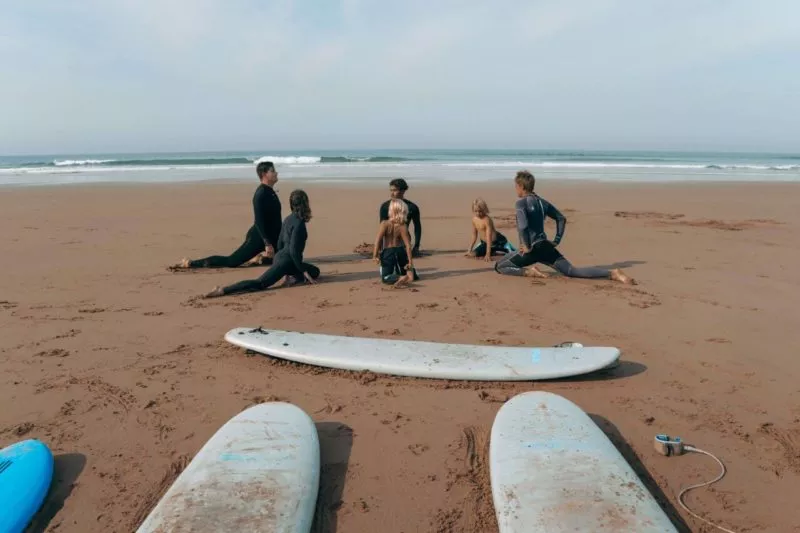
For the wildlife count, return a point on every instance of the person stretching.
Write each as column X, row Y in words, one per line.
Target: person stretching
column 531, row 211
column 262, row 235
column 289, row 258
column 397, row 191
column 483, row 230
column 394, row 246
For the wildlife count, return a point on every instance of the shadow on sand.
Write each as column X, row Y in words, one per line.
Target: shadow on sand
column 624, row 369
column 335, row 443
column 66, row 469
column 630, row 456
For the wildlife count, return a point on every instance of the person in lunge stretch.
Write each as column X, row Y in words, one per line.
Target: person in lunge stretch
column 535, row 247
column 397, row 190
column 289, row 258
column 393, row 244
column 483, row 230
column 262, row 237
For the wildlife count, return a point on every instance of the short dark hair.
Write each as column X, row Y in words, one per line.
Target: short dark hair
column 264, row 167
column 298, row 202
column 399, row 184
column 525, row 180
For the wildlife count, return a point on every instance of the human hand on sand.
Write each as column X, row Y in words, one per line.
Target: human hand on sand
column 376, row 260
column 487, row 258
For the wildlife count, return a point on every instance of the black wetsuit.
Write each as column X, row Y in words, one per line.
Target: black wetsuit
column 413, row 216
column 500, row 245
column 531, row 213
column 264, row 231
column 288, row 259
column 394, row 263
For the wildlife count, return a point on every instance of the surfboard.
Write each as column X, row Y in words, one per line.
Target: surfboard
column 425, row 359
column 259, row 472
column 26, row 470
column 552, row 469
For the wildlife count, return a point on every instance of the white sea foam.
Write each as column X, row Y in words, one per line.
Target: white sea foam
column 81, row 162
column 289, row 160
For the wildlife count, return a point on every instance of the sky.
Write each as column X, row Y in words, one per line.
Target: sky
column 100, row 76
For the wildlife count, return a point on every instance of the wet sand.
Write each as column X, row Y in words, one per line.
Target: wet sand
column 110, row 360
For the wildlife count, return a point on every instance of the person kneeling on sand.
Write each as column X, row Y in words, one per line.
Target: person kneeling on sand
column 262, row 237
column 288, row 260
column 397, row 191
column 393, row 244
column 483, row 230
column 531, row 211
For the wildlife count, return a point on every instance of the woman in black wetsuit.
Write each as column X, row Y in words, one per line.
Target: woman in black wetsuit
column 289, row 258
column 536, row 247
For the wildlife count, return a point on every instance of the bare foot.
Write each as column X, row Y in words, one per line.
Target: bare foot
column 182, row 265
column 216, row 293
column 619, row 275
column 404, row 281
column 256, row 261
column 533, row 272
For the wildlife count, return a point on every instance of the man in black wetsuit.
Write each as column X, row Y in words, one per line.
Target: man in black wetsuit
column 262, row 235
column 397, row 190
column 289, row 259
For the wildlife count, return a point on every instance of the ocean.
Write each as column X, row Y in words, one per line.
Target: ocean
column 356, row 166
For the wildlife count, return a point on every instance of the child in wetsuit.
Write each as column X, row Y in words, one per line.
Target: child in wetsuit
column 288, row 261
column 393, row 243
column 483, row 230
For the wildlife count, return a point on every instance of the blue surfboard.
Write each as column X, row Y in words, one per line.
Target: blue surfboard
column 26, row 470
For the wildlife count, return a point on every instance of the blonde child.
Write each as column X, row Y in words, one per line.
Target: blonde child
column 393, row 244
column 483, row 230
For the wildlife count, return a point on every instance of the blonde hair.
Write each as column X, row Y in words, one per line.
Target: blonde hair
column 398, row 212
column 479, row 205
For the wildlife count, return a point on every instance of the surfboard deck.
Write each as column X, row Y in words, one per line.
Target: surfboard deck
column 425, row 359
column 259, row 472
column 26, row 471
column 552, row 469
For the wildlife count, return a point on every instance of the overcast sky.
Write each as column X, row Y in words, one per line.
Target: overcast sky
column 146, row 75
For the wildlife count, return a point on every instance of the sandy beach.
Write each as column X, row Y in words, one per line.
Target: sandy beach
column 111, row 360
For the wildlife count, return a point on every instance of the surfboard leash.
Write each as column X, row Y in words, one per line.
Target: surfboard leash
column 670, row 446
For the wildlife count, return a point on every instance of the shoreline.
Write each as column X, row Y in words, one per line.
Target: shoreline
column 381, row 182
column 113, row 362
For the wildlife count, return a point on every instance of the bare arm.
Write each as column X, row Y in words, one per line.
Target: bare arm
column 474, row 238
column 488, row 238
column 407, row 241
column 376, row 248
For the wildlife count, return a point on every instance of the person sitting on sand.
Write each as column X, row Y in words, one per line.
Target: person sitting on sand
column 483, row 230
column 393, row 244
column 535, row 247
column 261, row 239
column 288, row 260
column 397, row 190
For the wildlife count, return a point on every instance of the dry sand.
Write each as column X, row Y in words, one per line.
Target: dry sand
column 109, row 360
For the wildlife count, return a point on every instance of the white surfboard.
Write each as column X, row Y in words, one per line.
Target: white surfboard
column 258, row 473
column 553, row 470
column 425, row 359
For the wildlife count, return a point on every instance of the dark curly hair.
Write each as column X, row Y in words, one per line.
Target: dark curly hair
column 298, row 202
